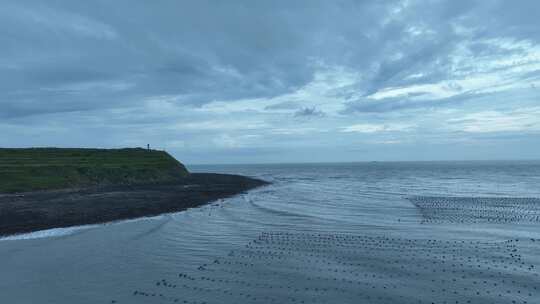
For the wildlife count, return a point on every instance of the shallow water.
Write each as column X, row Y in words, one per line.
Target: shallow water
column 321, row 233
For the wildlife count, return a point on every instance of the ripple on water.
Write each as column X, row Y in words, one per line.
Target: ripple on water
column 284, row 267
column 478, row 209
column 323, row 233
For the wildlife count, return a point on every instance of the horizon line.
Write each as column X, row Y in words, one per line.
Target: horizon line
column 366, row 161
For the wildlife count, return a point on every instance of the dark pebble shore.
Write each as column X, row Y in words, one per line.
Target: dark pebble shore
column 32, row 211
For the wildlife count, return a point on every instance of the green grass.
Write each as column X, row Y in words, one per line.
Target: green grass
column 56, row 168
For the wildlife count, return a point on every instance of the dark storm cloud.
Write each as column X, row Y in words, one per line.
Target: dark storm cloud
column 202, row 50
column 210, row 50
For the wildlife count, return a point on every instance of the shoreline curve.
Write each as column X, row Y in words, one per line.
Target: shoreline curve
column 40, row 210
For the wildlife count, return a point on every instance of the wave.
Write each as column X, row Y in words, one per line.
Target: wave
column 266, row 209
column 154, row 229
column 66, row 231
column 48, row 233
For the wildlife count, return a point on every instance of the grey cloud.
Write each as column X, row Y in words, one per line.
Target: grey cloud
column 309, row 112
column 204, row 50
column 88, row 68
column 402, row 103
column 208, row 50
column 535, row 75
column 286, row 105
column 519, row 20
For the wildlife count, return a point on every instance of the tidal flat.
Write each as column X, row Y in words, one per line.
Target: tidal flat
column 378, row 233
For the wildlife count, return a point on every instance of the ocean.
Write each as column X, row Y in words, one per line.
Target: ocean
column 373, row 232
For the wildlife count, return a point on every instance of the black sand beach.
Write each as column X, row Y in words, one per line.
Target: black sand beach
column 31, row 211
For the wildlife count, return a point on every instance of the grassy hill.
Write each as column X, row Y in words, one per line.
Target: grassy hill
column 56, row 168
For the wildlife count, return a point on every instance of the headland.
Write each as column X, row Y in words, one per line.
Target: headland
column 43, row 188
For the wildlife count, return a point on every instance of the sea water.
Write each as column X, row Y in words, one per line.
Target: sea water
column 378, row 232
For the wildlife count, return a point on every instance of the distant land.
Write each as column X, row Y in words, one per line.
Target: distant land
column 43, row 188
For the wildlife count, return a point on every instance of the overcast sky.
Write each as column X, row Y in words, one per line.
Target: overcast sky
column 274, row 81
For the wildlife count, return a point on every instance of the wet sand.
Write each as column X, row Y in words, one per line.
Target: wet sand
column 32, row 211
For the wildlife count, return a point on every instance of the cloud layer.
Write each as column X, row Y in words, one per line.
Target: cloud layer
column 252, row 81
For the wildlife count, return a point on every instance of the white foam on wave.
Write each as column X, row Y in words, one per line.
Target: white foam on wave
column 59, row 232
column 47, row 233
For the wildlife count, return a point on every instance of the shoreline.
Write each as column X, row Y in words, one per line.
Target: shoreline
column 40, row 210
